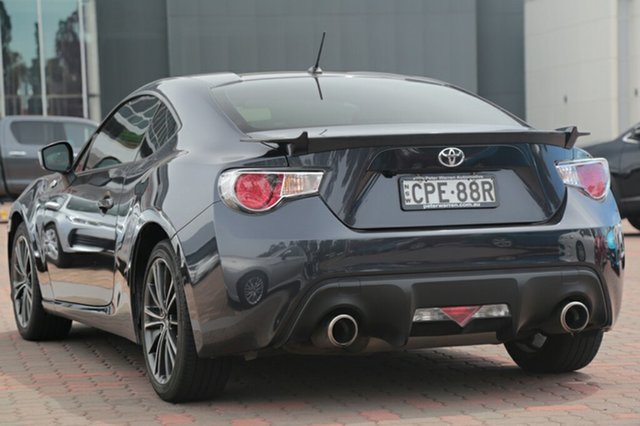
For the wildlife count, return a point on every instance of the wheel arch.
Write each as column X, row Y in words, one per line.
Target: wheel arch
column 15, row 220
column 150, row 234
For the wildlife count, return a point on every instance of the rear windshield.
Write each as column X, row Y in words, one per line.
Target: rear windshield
column 44, row 132
column 305, row 102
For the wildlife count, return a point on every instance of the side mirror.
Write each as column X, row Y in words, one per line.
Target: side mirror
column 57, row 157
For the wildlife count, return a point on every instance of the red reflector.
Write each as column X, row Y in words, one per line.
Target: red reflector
column 460, row 314
column 258, row 191
column 593, row 178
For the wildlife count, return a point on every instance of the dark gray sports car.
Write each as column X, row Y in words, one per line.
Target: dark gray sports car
column 220, row 215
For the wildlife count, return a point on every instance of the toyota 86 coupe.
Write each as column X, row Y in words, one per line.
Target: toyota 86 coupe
column 220, row 216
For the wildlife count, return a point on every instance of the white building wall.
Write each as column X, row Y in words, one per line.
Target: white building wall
column 633, row 89
column 571, row 65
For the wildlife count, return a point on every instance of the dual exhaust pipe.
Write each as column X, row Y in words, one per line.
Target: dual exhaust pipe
column 341, row 330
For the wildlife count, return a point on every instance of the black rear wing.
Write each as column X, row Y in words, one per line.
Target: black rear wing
column 564, row 137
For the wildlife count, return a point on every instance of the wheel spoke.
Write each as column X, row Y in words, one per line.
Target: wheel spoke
column 172, row 343
column 28, row 304
column 153, row 324
column 19, row 288
column 154, row 299
column 172, row 300
column 167, row 356
column 155, row 336
column 19, row 267
column 23, row 309
column 24, row 259
column 149, row 312
column 172, row 357
column 170, row 286
column 166, row 281
column 159, row 352
column 158, row 284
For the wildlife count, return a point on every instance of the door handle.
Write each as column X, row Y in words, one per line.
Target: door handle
column 105, row 204
column 17, row 153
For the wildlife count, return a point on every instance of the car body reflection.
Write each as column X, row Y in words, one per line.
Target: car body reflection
column 254, row 278
column 71, row 225
column 577, row 246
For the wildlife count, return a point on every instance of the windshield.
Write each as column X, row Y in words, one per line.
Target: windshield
column 305, row 102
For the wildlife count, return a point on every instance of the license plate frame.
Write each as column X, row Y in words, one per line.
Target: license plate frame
column 409, row 195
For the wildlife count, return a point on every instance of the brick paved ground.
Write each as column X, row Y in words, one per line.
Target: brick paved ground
column 93, row 377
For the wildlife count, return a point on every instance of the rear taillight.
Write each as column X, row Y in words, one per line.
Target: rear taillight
column 590, row 175
column 261, row 190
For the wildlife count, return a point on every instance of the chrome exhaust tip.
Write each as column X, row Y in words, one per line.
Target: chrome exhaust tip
column 342, row 330
column 574, row 317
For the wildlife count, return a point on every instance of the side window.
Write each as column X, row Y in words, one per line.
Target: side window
column 163, row 126
column 120, row 137
column 77, row 134
column 37, row 132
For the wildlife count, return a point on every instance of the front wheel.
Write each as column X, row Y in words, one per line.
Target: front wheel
column 176, row 372
column 560, row 353
column 33, row 322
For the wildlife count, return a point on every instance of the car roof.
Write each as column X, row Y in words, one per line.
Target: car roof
column 221, row 79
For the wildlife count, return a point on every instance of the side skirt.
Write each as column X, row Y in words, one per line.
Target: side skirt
column 106, row 318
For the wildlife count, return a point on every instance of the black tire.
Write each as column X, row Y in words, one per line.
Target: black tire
column 62, row 260
column 252, row 288
column 560, row 353
column 187, row 377
column 634, row 221
column 32, row 321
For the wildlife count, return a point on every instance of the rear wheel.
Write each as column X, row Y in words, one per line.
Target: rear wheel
column 176, row 372
column 33, row 322
column 560, row 353
column 634, row 221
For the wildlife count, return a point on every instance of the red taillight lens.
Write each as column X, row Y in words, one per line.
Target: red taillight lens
column 258, row 191
column 594, row 179
column 254, row 190
column 590, row 175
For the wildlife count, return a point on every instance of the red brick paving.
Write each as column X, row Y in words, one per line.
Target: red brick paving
column 96, row 378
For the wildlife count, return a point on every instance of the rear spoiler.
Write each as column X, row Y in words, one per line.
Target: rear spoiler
column 564, row 137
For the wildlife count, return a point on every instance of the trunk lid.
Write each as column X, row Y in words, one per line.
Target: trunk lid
column 368, row 187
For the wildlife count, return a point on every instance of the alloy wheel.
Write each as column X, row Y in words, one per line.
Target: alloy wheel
column 160, row 321
column 22, row 280
column 50, row 241
column 253, row 290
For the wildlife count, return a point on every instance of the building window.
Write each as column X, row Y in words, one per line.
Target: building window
column 44, row 57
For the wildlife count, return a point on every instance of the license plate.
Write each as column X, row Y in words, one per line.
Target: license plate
column 448, row 192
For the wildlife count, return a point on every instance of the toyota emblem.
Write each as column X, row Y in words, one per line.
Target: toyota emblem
column 451, row 157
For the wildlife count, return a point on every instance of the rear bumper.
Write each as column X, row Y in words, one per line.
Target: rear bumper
column 383, row 276
column 384, row 305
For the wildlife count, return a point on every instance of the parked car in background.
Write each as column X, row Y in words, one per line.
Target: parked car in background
column 623, row 154
column 21, row 138
column 230, row 215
